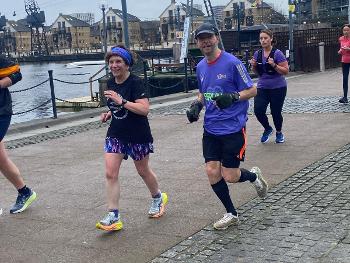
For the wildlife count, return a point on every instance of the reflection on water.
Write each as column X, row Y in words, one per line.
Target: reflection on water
column 34, row 74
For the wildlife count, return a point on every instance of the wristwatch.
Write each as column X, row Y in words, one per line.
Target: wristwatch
column 236, row 96
column 124, row 101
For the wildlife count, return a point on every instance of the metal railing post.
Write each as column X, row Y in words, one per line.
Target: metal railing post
column 145, row 78
column 186, row 76
column 53, row 97
column 246, row 59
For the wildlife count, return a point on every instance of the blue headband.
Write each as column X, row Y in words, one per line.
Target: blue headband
column 124, row 54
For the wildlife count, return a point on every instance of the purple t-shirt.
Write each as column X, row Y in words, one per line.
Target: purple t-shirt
column 226, row 75
column 276, row 80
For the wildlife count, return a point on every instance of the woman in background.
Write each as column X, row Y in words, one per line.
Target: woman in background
column 271, row 65
column 344, row 51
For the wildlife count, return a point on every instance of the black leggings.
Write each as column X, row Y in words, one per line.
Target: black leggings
column 276, row 99
column 345, row 69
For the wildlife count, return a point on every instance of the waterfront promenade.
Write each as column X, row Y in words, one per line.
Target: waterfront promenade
column 305, row 218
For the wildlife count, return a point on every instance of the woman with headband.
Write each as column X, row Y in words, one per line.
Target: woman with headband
column 129, row 134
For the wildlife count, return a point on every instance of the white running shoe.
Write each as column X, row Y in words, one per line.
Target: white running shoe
column 260, row 184
column 227, row 220
column 0, row 211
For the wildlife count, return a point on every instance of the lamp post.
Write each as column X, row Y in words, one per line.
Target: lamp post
column 104, row 36
column 125, row 24
column 291, row 9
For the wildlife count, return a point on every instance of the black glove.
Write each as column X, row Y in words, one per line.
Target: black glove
column 224, row 101
column 194, row 110
column 15, row 77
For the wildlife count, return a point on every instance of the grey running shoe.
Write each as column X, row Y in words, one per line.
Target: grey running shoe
column 22, row 202
column 227, row 220
column 260, row 184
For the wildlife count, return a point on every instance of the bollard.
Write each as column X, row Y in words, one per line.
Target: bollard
column 102, row 85
column 53, row 97
column 152, row 66
column 321, row 52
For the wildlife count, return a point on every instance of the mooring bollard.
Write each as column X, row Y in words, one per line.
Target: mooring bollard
column 321, row 52
column 53, row 97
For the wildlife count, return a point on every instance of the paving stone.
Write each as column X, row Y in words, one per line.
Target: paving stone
column 304, row 220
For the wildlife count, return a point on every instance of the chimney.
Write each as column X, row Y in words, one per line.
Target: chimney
column 173, row 1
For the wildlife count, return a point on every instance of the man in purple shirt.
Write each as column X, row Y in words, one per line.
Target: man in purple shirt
column 224, row 89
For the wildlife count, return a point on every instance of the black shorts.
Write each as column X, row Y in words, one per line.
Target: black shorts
column 228, row 149
column 4, row 125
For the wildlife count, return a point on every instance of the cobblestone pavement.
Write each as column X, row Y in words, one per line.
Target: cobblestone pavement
column 304, row 219
column 292, row 105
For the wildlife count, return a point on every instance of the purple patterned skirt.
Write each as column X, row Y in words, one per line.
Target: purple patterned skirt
column 137, row 151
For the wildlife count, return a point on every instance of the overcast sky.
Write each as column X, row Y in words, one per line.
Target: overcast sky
column 143, row 9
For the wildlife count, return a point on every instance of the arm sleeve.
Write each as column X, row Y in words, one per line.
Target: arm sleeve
column 241, row 77
column 199, row 83
column 139, row 91
column 279, row 56
column 7, row 67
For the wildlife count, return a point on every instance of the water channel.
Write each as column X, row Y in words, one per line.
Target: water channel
column 36, row 73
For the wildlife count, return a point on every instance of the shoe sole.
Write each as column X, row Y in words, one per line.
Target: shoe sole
column 114, row 227
column 26, row 204
column 224, row 228
column 162, row 207
column 263, row 181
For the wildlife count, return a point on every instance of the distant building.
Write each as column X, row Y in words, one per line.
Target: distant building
column 251, row 13
column 115, row 28
column 150, row 34
column 71, row 33
column 321, row 10
column 95, row 37
column 219, row 14
column 86, row 17
column 172, row 22
column 16, row 37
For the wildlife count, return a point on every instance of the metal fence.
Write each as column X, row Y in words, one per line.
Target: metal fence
column 306, row 45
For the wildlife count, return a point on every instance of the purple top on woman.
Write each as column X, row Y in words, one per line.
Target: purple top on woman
column 276, row 80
